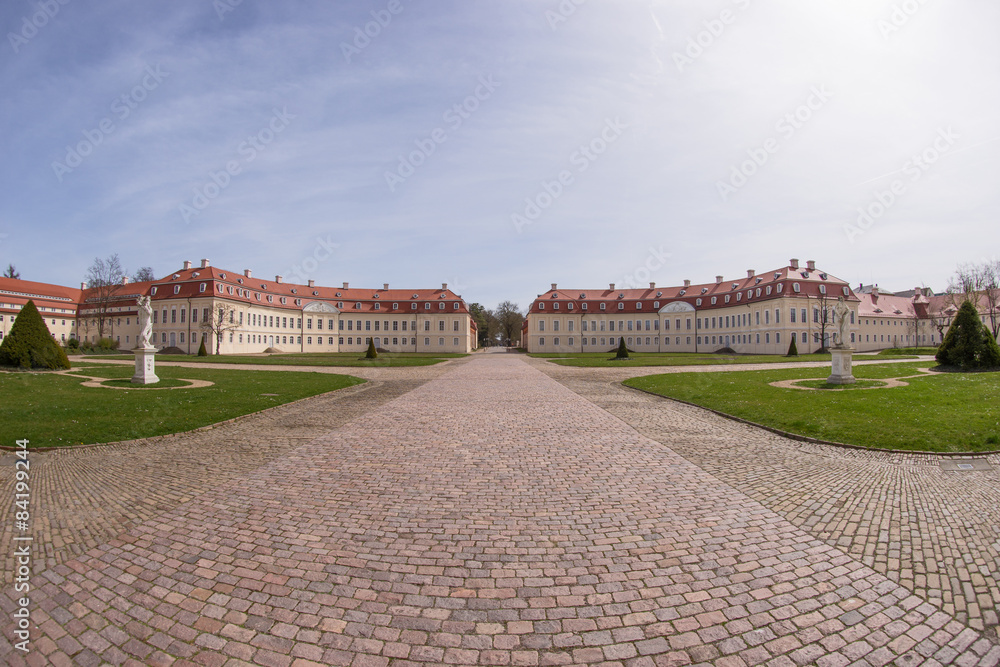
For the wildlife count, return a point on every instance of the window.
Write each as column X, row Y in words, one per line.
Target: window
column 173, row 315
column 455, row 326
column 603, row 306
column 792, row 320
column 395, row 306
column 441, row 325
column 201, row 288
column 541, row 341
column 555, row 341
column 555, row 325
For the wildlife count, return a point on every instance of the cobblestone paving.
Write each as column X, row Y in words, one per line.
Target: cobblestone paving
column 490, row 516
column 935, row 532
column 86, row 496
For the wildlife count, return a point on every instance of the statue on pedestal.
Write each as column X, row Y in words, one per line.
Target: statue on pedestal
column 843, row 315
column 145, row 320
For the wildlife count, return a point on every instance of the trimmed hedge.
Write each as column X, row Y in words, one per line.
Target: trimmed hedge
column 30, row 345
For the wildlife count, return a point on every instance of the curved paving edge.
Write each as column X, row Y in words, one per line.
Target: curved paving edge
column 490, row 516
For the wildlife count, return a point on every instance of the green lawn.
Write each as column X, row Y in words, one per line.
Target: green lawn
column 308, row 359
column 607, row 360
column 954, row 412
column 53, row 410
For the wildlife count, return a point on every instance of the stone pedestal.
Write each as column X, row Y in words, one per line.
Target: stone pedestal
column 841, row 373
column 145, row 366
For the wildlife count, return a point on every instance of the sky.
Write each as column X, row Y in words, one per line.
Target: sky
column 501, row 146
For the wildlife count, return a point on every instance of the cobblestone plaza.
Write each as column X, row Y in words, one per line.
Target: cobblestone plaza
column 500, row 510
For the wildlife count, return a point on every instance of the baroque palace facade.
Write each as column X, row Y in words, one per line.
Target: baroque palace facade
column 758, row 314
column 253, row 314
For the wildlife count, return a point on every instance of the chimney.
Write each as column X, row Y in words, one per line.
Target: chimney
column 750, row 273
column 794, row 263
column 444, row 286
column 345, row 285
column 553, row 287
column 187, row 264
column 718, row 280
column 312, row 283
column 277, row 279
column 611, row 286
column 83, row 285
column 652, row 285
column 385, row 286
column 205, row 264
column 811, row 265
column 248, row 273
column 687, row 283
column 124, row 280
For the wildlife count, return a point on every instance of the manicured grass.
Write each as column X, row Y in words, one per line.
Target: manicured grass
column 309, row 359
column 953, row 412
column 606, row 359
column 823, row 384
column 164, row 383
column 54, row 410
column 907, row 352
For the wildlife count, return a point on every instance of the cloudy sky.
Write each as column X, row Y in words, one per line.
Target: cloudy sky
column 501, row 146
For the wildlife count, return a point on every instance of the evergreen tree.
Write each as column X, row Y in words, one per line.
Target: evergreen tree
column 202, row 352
column 969, row 345
column 371, row 353
column 29, row 343
column 622, row 350
column 792, row 350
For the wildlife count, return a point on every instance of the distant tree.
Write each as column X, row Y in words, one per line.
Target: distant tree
column 969, row 344
column 104, row 282
column 980, row 284
column 143, row 275
column 11, row 272
column 220, row 322
column 824, row 320
column 371, row 352
column 486, row 323
column 509, row 320
column 29, row 343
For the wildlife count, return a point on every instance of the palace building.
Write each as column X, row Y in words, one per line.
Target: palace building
column 758, row 314
column 250, row 314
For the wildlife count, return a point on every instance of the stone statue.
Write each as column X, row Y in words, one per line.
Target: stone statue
column 843, row 315
column 145, row 320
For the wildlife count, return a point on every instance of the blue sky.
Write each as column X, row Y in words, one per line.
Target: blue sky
column 501, row 146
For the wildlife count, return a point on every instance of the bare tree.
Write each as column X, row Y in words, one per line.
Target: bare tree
column 509, row 319
column 221, row 321
column 104, row 280
column 144, row 275
column 824, row 319
column 11, row 272
column 980, row 284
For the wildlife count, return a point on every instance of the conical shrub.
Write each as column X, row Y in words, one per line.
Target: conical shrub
column 622, row 352
column 30, row 345
column 793, row 351
column 969, row 345
column 371, row 353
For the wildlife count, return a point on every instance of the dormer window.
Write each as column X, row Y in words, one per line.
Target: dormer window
column 697, row 301
column 338, row 294
column 727, row 298
column 621, row 295
column 294, row 291
column 298, row 302
column 823, row 276
column 659, row 294
column 378, row 306
column 222, row 275
column 796, row 288
column 777, row 274
column 228, row 289
column 847, row 290
column 682, row 292
column 554, row 295
column 441, row 306
column 315, row 292
column 455, row 305
column 781, row 286
column 257, row 294
column 638, row 305
column 768, row 289
column 340, row 305
column 569, row 306
column 583, row 306
column 427, row 305
column 221, row 288
column 413, row 305
column 201, row 287
column 604, row 306
column 621, row 306
column 270, row 298
column 757, row 280
column 713, row 300
column 357, row 305
column 739, row 296
column 541, row 305
column 656, row 305
column 555, row 306
column 152, row 290
column 177, row 289
column 284, row 300
column 195, row 274
column 758, row 291
column 822, row 289
column 749, row 294
column 395, row 306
